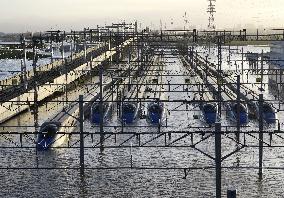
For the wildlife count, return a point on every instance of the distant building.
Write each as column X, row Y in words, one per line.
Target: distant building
column 66, row 47
column 10, row 45
column 276, row 66
column 252, row 60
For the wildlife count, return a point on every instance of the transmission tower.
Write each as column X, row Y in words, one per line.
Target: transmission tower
column 211, row 10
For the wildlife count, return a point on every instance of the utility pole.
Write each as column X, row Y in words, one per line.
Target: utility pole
column 218, row 159
column 81, row 124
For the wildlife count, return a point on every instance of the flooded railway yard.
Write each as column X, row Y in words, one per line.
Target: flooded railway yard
column 175, row 158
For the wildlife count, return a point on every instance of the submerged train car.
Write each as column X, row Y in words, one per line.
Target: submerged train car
column 156, row 112
column 209, row 112
column 130, row 112
column 105, row 112
column 232, row 113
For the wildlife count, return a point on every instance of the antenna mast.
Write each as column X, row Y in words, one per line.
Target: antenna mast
column 211, row 10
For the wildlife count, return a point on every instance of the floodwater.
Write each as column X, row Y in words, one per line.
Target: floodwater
column 10, row 67
column 148, row 176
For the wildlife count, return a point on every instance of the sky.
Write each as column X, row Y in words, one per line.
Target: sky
column 41, row 15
